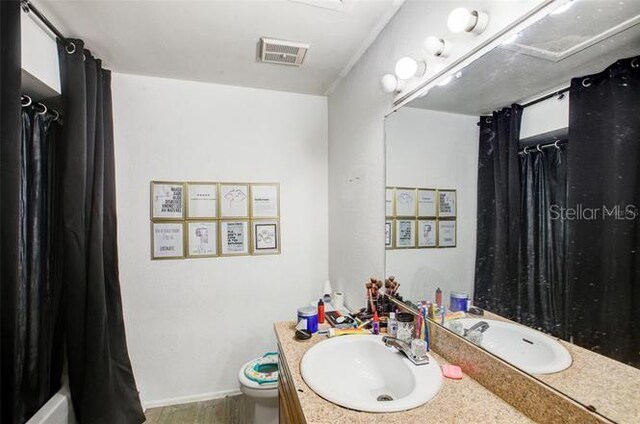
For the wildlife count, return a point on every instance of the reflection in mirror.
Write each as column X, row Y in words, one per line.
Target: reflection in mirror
column 539, row 142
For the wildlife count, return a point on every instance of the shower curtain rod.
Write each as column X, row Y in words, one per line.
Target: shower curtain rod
column 539, row 147
column 28, row 7
column 547, row 96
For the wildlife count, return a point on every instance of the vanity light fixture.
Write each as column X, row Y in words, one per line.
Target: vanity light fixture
column 462, row 19
column 391, row 84
column 437, row 46
column 407, row 68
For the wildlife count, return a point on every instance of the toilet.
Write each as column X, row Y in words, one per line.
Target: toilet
column 259, row 382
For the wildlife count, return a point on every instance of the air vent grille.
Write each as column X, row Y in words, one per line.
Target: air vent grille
column 282, row 51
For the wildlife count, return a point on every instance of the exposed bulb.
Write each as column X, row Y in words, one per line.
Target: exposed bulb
column 407, row 68
column 462, row 19
column 436, row 46
column 390, row 83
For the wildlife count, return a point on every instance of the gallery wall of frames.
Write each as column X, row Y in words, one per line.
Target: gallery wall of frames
column 212, row 219
column 420, row 218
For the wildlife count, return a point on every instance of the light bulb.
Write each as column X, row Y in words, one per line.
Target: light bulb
column 462, row 19
column 436, row 46
column 390, row 83
column 406, row 68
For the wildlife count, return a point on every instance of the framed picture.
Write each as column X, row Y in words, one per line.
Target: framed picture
column 265, row 200
column 202, row 239
column 427, row 203
column 405, row 202
column 167, row 200
column 202, row 200
column 266, row 237
column 446, row 233
column 234, row 238
column 234, row 200
column 388, row 234
column 405, row 233
column 167, row 240
column 427, row 233
column 447, row 203
column 388, row 202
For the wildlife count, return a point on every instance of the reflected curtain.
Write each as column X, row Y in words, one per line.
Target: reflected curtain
column 101, row 379
column 604, row 182
column 496, row 275
column 542, row 288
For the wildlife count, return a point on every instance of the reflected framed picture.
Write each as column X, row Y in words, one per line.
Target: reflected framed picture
column 405, row 233
column 427, row 202
column 388, row 234
column 447, row 204
column 427, row 233
column 388, row 202
column 234, row 200
column 405, row 202
column 234, row 237
column 266, row 237
column 167, row 240
column 265, row 200
column 202, row 200
column 447, row 233
column 167, row 200
column 202, row 239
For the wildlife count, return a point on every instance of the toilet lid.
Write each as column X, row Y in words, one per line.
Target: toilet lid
column 263, row 370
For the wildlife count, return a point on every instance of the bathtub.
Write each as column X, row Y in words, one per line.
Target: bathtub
column 57, row 410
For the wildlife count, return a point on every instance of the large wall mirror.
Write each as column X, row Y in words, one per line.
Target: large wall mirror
column 515, row 183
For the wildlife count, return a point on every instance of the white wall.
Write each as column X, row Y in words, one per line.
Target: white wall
column 191, row 324
column 548, row 115
column 425, row 148
column 356, row 143
column 39, row 53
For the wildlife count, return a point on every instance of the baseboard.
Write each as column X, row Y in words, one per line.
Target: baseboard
column 191, row 398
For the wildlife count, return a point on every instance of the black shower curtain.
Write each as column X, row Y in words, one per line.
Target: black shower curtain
column 542, row 289
column 496, row 277
column 604, row 182
column 101, row 380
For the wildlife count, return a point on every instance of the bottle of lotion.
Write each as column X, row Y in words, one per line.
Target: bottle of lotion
column 320, row 311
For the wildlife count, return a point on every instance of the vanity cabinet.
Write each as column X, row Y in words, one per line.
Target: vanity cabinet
column 288, row 402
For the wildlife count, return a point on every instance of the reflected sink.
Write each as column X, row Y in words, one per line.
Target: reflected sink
column 530, row 350
column 361, row 373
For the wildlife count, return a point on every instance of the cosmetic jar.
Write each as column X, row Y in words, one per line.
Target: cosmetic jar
column 406, row 326
column 458, row 302
column 309, row 314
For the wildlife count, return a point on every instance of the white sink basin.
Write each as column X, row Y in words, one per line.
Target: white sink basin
column 357, row 371
column 530, row 350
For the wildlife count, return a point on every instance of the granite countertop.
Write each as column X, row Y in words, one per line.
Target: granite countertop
column 459, row 401
column 610, row 387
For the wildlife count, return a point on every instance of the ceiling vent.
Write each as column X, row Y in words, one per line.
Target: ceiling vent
column 282, row 52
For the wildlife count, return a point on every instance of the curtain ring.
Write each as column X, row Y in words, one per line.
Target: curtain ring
column 24, row 98
column 635, row 63
column 55, row 118
column 44, row 109
column 586, row 82
column 70, row 48
column 538, row 148
column 557, row 144
column 526, row 150
column 489, row 120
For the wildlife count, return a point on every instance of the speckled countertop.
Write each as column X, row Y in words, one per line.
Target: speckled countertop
column 609, row 387
column 459, row 401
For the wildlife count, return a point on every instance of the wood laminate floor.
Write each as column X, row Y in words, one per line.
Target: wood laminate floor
column 229, row 410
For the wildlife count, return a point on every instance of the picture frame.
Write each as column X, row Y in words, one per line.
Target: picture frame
column 202, row 200
column 389, row 202
column 427, row 233
column 265, row 200
column 447, row 204
column 202, row 239
column 405, row 233
column 234, row 200
column 234, row 237
column 427, row 202
column 167, row 240
column 405, row 202
column 265, row 235
column 388, row 234
column 167, row 200
column 447, row 233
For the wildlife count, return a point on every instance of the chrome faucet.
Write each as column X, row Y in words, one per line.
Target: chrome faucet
column 482, row 326
column 405, row 348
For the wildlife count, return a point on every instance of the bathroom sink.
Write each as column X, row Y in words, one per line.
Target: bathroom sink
column 530, row 350
column 361, row 373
